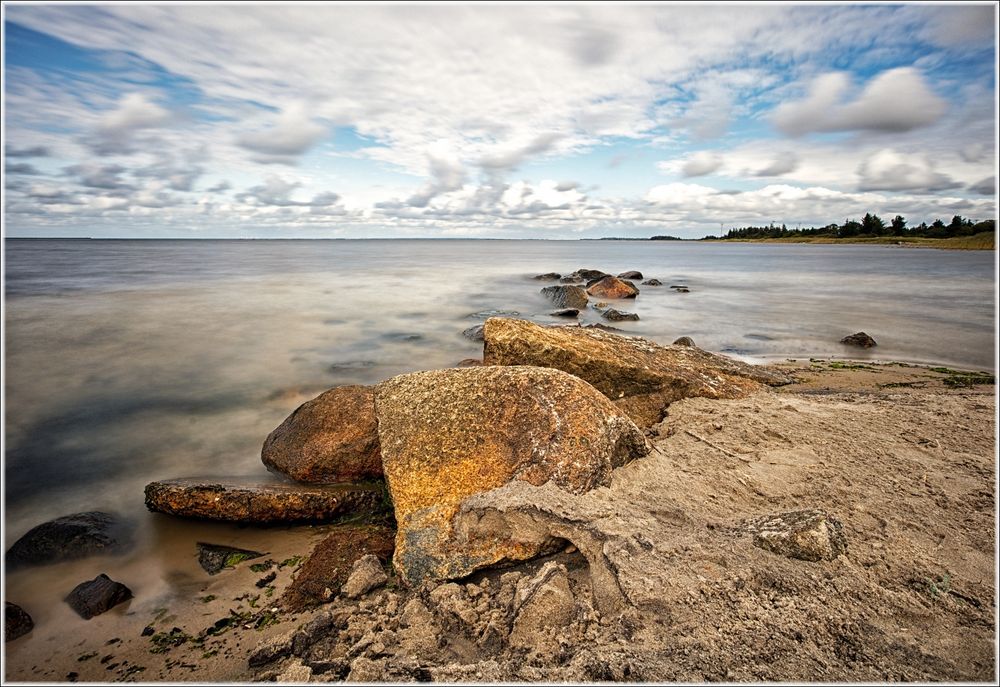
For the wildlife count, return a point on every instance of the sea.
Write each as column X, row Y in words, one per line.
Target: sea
column 128, row 361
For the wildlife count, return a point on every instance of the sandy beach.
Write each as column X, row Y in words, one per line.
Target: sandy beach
column 898, row 454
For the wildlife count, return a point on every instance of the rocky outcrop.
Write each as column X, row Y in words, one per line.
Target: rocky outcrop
column 236, row 501
column 631, row 274
column 548, row 276
column 16, row 622
column 618, row 315
column 860, row 339
column 612, row 287
column 566, row 296
column 449, row 434
column 97, row 596
column 642, row 377
column 68, row 537
column 808, row 535
column 329, row 439
column 331, row 562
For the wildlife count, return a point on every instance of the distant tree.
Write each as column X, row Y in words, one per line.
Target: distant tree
column 937, row 230
column 872, row 225
column 849, row 229
column 898, row 225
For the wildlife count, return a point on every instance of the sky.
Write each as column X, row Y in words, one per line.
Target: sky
column 493, row 120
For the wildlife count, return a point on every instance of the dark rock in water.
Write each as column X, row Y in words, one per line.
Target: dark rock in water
column 351, row 366
column 684, row 341
column 612, row 287
column 548, row 276
column 566, row 296
column 214, row 558
column 808, row 535
column 591, row 274
column 69, row 537
column 403, row 336
column 652, row 282
column 678, row 286
column 487, row 314
column 469, row 362
column 329, row 565
column 248, row 502
column 566, row 312
column 332, row 438
column 97, row 596
column 631, row 274
column 16, row 622
column 475, row 332
column 571, row 279
column 599, row 325
column 860, row 339
column 758, row 337
column 618, row 315
column 682, row 289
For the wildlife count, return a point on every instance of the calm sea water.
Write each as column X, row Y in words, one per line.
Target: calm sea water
column 129, row 361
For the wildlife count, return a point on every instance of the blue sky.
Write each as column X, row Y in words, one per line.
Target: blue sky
column 564, row 121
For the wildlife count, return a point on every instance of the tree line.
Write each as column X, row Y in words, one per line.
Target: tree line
column 870, row 226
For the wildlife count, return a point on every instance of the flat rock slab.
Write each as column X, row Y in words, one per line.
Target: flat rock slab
column 214, row 558
column 248, row 502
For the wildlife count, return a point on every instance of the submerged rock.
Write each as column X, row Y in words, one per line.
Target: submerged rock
column 612, row 287
column 332, row 438
column 652, row 282
column 565, row 312
column 587, row 275
column 571, row 279
column 214, row 558
column 248, row 502
column 329, row 565
column 642, row 377
column 97, row 596
column 548, row 276
column 808, row 535
column 631, row 274
column 449, row 434
column 469, row 362
column 475, row 332
column 486, row 314
column 566, row 296
column 682, row 289
column 860, row 339
column 69, row 537
column 618, row 315
column 684, row 341
column 16, row 622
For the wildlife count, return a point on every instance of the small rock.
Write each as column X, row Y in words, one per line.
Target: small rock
column 682, row 289
column 612, row 287
column 475, row 332
column 266, row 580
column 469, row 362
column 565, row 312
column 214, row 558
column 591, row 274
column 566, row 296
column 332, row 438
column 678, row 286
column 16, row 622
column 652, row 282
column 571, row 279
column 808, row 535
column 487, row 314
column 296, row 672
column 684, row 341
column 148, row 631
column 366, row 574
column 631, row 274
column 860, row 339
column 541, row 602
column 97, row 596
column 618, row 315
column 548, row 276
column 272, row 650
column 69, row 537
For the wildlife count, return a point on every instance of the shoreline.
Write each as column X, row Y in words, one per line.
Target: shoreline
column 826, row 388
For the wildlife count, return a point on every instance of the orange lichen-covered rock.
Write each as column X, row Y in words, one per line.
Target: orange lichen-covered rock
column 329, row 439
column 447, row 435
column 612, row 287
column 642, row 377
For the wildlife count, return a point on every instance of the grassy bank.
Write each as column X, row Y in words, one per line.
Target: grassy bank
column 983, row 241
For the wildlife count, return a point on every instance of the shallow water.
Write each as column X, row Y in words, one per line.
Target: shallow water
column 129, row 361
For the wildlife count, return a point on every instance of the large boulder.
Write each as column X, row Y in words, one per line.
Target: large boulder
column 16, row 622
column 612, row 287
column 68, row 537
column 332, row 438
column 449, row 434
column 566, row 296
column 642, row 377
column 233, row 500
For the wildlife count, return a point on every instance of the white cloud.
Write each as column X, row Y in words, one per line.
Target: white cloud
column 896, row 100
column 888, row 170
column 783, row 163
column 288, row 135
column 701, row 163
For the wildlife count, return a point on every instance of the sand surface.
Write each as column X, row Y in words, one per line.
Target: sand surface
column 903, row 459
